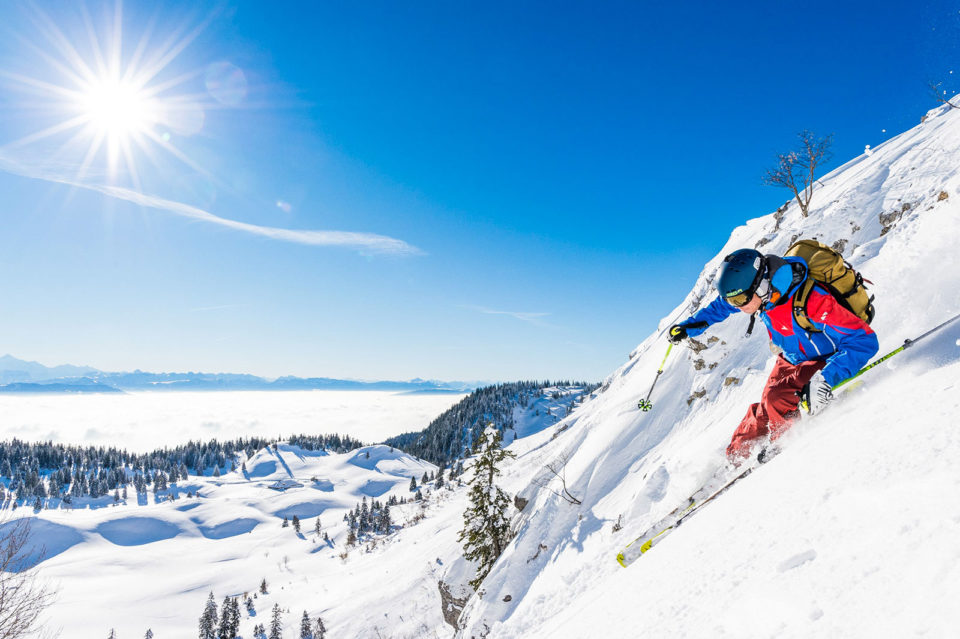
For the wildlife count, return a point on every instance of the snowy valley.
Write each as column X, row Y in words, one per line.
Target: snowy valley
column 303, row 516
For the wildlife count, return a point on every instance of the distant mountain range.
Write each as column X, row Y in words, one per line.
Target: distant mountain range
column 20, row 376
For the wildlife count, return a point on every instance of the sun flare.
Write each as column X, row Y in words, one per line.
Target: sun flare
column 104, row 107
column 118, row 109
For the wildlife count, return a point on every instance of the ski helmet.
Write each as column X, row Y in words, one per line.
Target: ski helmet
column 740, row 275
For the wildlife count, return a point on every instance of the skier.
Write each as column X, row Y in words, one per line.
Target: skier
column 841, row 343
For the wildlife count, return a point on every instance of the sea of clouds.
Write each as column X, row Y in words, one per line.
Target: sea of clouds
column 143, row 421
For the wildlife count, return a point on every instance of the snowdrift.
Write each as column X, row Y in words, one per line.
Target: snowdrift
column 853, row 531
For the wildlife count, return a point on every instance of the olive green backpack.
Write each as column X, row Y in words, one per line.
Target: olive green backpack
column 827, row 268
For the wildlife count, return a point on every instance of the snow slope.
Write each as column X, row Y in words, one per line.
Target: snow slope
column 547, row 408
column 853, row 531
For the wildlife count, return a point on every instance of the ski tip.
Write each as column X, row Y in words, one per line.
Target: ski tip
column 621, row 560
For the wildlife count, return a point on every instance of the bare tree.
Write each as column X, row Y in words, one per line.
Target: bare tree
column 22, row 597
column 557, row 469
column 939, row 93
column 797, row 170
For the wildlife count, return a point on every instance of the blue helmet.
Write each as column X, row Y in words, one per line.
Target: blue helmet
column 740, row 275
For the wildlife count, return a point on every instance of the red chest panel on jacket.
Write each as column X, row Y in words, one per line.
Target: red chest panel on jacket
column 781, row 319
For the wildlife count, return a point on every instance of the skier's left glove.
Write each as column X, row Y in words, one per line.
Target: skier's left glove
column 819, row 393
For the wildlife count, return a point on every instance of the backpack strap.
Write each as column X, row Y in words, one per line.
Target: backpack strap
column 753, row 320
column 800, row 306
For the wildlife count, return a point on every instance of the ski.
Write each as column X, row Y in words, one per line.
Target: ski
column 656, row 533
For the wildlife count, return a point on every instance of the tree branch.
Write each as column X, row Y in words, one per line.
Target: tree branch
column 557, row 469
column 938, row 94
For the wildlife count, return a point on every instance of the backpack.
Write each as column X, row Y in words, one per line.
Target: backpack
column 827, row 268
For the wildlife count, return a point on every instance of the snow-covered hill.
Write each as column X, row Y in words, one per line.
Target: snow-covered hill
column 519, row 409
column 150, row 566
column 853, row 531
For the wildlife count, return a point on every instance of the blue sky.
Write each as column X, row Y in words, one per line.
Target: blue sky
column 490, row 190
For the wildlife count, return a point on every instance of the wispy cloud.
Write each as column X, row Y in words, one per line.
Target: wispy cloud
column 366, row 243
column 531, row 318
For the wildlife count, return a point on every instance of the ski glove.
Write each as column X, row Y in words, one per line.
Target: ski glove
column 819, row 395
column 687, row 329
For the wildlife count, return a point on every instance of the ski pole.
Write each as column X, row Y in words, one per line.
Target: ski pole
column 644, row 404
column 907, row 343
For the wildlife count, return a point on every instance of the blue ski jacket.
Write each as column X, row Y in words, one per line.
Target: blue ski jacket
column 846, row 342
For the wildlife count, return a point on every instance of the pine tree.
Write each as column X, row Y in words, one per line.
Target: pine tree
column 285, row 524
column 316, row 527
column 296, row 524
column 320, row 630
column 363, row 519
column 229, row 618
column 305, row 631
column 113, row 634
column 223, row 631
column 235, row 615
column 486, row 529
column 413, row 484
column 276, row 626
column 263, row 586
column 149, row 634
column 208, row 620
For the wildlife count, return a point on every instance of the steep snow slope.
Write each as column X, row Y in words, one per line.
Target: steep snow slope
column 548, row 407
column 853, row 531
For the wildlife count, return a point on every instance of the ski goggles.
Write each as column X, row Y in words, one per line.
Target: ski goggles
column 760, row 286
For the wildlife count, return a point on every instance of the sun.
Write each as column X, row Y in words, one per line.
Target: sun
column 108, row 106
column 118, row 110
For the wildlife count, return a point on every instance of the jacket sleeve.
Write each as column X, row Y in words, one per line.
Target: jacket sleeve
column 853, row 339
column 716, row 311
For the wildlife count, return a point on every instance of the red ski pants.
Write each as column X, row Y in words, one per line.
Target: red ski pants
column 777, row 407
